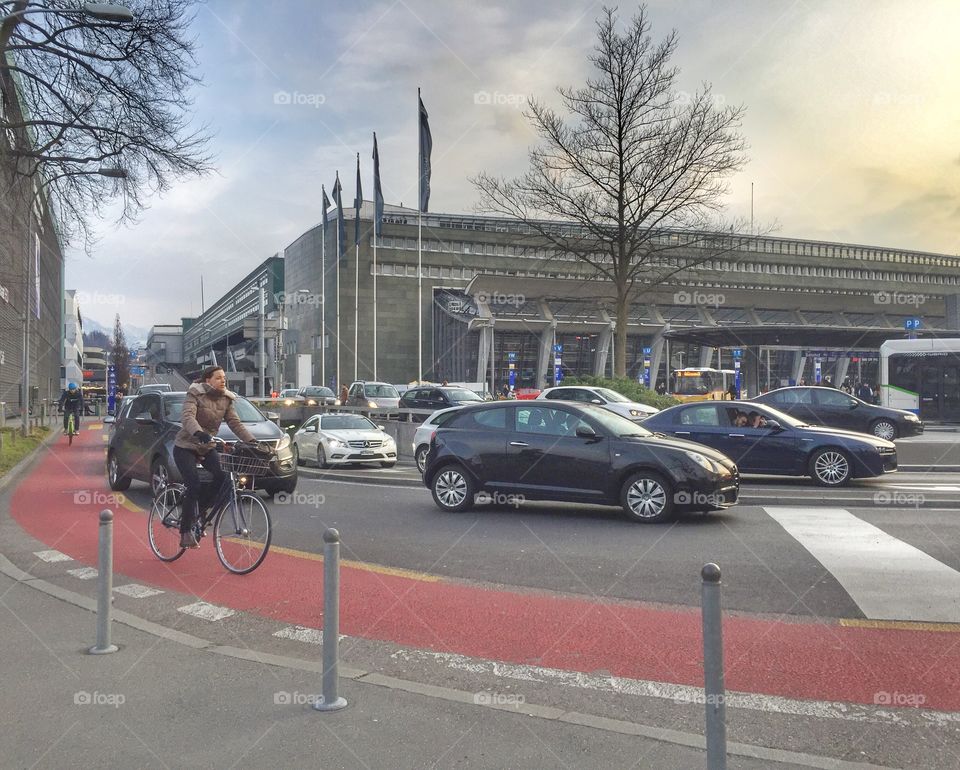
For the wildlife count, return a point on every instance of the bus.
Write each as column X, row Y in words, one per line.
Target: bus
column 699, row 383
column 923, row 377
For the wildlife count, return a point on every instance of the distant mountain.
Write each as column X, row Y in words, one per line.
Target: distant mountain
column 136, row 336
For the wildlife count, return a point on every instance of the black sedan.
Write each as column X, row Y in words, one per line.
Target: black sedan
column 534, row 450
column 141, row 443
column 765, row 441
column 828, row 406
column 437, row 397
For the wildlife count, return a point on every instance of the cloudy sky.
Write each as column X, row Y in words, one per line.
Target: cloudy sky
column 853, row 122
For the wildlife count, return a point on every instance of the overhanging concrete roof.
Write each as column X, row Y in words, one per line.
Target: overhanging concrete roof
column 822, row 336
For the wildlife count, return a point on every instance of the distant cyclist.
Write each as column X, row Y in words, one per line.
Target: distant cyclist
column 207, row 405
column 71, row 402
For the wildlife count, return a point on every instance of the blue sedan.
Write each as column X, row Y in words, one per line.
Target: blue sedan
column 762, row 440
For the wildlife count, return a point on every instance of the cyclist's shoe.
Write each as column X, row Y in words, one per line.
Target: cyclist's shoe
column 188, row 540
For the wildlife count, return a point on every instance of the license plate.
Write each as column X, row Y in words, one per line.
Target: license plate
column 368, row 452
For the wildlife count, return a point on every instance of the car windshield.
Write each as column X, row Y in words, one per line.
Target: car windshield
column 318, row 392
column 247, row 412
column 617, row 425
column 462, row 394
column 380, row 390
column 346, row 422
column 612, row 395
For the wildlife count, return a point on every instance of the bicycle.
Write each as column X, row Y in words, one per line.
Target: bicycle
column 241, row 522
column 71, row 428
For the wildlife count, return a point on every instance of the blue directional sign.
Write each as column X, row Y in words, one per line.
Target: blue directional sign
column 647, row 351
column 558, row 348
column 111, row 387
column 737, row 353
column 912, row 323
column 511, row 356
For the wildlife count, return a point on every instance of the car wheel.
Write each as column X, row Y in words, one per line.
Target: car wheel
column 421, row 455
column 884, row 429
column 296, row 454
column 159, row 475
column 322, row 458
column 118, row 482
column 388, row 464
column 646, row 497
column 452, row 489
column 830, row 467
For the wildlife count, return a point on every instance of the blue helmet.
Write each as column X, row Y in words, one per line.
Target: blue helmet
column 72, row 386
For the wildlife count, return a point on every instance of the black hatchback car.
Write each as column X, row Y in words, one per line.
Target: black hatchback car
column 828, row 406
column 765, row 441
column 568, row 452
column 140, row 447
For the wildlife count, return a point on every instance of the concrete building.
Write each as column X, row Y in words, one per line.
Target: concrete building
column 491, row 295
column 164, row 349
column 95, row 369
column 72, row 370
column 229, row 333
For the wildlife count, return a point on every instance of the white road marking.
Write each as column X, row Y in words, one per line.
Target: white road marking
column 206, row 611
column 84, row 573
column 137, row 591
column 928, row 487
column 681, row 693
column 51, row 556
column 301, row 634
column 886, row 577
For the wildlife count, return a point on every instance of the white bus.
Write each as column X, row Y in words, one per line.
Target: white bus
column 922, row 376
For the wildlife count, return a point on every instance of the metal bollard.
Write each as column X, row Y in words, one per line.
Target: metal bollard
column 104, row 585
column 713, row 668
column 331, row 700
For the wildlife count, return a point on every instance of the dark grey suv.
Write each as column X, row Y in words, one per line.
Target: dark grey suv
column 141, row 443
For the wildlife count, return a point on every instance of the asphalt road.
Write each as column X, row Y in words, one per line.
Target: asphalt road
column 593, row 551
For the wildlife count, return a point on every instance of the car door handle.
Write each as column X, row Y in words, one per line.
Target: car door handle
column 736, row 435
column 519, row 443
column 681, row 433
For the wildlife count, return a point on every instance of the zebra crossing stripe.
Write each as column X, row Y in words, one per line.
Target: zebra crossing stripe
column 886, row 577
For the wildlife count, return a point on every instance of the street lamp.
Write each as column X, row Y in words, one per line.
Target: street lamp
column 108, row 171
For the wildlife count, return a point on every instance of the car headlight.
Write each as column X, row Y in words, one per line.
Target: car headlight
column 337, row 443
column 336, row 402
column 284, row 442
column 311, row 402
column 372, row 404
column 702, row 461
column 911, row 417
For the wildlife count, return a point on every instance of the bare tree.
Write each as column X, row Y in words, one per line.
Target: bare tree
column 120, row 357
column 86, row 98
column 636, row 174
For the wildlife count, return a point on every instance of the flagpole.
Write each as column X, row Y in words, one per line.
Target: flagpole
column 339, row 204
column 419, row 247
column 375, row 290
column 356, row 280
column 323, row 304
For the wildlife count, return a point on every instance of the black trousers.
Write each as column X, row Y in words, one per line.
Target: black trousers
column 186, row 460
column 76, row 418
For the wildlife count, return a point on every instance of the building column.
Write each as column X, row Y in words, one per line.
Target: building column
column 951, row 305
column 656, row 353
column 603, row 346
column 750, row 372
column 843, row 364
column 545, row 358
column 706, row 355
column 799, row 364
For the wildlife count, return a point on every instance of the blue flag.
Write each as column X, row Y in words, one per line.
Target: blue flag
column 341, row 225
column 426, row 147
column 326, row 208
column 357, row 202
column 377, row 191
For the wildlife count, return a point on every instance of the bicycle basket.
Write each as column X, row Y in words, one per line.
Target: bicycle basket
column 245, row 462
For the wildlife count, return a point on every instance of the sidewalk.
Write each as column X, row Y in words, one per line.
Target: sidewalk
column 157, row 703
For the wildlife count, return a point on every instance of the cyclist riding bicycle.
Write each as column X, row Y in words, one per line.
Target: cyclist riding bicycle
column 208, row 404
column 71, row 402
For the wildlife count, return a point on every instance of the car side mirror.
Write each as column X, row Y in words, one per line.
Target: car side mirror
column 382, row 427
column 145, row 419
column 585, row 431
column 273, row 416
column 596, row 401
column 774, row 425
column 310, row 429
column 855, row 404
column 108, row 420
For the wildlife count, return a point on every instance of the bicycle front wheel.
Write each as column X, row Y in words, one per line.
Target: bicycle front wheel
column 242, row 533
column 70, row 431
column 163, row 527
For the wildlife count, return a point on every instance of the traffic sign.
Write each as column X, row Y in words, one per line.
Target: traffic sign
column 558, row 348
column 913, row 323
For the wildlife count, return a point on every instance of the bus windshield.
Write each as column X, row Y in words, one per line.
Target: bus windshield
column 695, row 383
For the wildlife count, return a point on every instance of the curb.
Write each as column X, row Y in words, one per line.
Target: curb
column 16, row 470
column 664, row 735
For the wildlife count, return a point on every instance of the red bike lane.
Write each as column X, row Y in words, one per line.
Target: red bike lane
column 791, row 658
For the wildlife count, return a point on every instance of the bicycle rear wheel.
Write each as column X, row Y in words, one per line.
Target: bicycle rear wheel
column 242, row 534
column 163, row 527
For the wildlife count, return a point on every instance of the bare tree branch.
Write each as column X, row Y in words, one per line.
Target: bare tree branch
column 631, row 163
column 78, row 92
